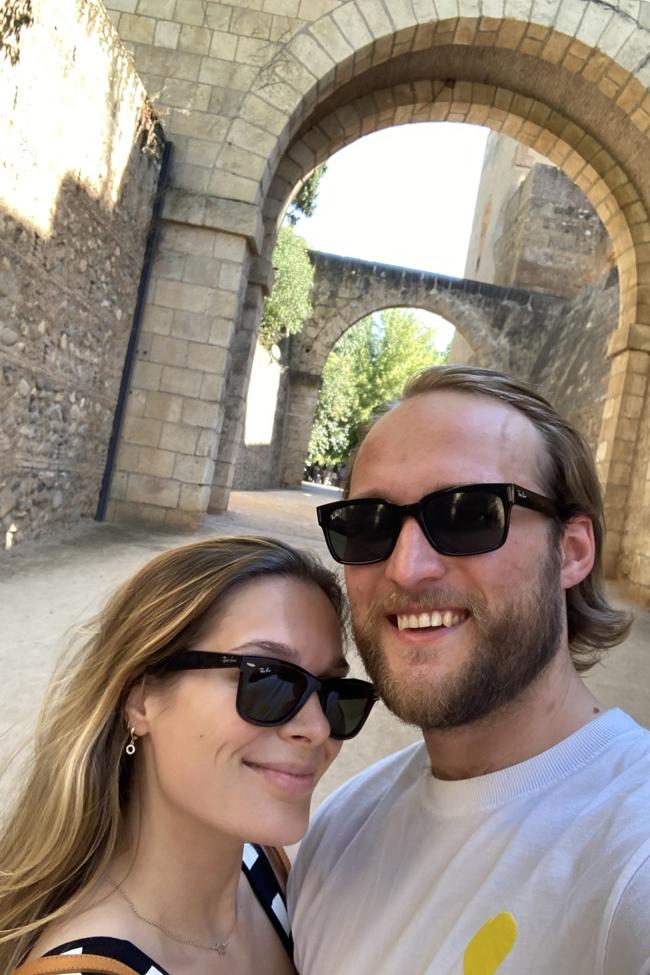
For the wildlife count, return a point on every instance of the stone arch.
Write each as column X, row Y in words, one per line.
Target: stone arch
column 572, row 82
column 506, row 326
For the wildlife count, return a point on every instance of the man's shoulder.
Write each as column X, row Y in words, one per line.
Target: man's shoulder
column 374, row 783
column 351, row 805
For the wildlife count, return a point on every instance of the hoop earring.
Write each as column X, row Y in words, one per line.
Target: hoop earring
column 130, row 748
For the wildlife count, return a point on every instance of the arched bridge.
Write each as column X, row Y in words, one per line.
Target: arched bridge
column 505, row 328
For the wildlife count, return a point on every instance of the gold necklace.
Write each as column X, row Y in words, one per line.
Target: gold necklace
column 219, row 947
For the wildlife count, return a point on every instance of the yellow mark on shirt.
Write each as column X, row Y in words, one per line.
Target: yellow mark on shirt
column 490, row 946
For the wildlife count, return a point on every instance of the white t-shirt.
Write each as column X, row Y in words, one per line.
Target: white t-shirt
column 538, row 869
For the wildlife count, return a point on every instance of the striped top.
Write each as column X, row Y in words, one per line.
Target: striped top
column 265, row 886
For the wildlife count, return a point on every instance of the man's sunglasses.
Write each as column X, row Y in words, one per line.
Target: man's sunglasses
column 467, row 520
column 270, row 692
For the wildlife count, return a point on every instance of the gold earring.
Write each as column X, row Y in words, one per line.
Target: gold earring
column 130, row 748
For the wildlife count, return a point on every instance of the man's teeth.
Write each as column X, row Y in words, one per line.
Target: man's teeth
column 413, row 621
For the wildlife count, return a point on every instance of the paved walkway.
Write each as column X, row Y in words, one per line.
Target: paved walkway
column 48, row 589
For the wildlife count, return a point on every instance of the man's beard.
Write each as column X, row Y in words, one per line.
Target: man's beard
column 511, row 649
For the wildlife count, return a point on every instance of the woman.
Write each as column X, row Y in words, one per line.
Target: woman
column 196, row 721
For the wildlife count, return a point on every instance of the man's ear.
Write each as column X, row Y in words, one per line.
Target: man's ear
column 135, row 709
column 578, row 549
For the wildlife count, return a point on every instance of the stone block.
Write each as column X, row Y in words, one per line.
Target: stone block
column 140, row 30
column 145, row 489
column 159, row 463
column 230, row 277
column 212, row 387
column 286, row 8
column 142, row 431
column 136, row 402
column 194, row 497
column 193, row 179
column 231, row 186
column 168, row 351
column 179, row 438
column 195, row 40
column 221, row 332
column 189, row 240
column 200, row 153
column 146, row 375
column 200, row 269
column 161, row 9
column 157, row 320
column 223, row 45
column 207, row 444
column 191, row 12
column 217, row 16
column 164, row 406
column 209, row 358
column 184, row 296
column 251, row 23
column 185, row 94
column 122, row 6
column 177, row 520
column 200, row 414
column 185, row 382
column 194, row 470
column 254, row 51
column 227, row 74
column 167, row 34
column 192, row 326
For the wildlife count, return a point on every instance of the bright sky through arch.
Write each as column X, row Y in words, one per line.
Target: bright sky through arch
column 404, row 196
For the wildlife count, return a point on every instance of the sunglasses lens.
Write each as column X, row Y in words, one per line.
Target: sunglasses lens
column 269, row 694
column 465, row 522
column 347, row 703
column 361, row 532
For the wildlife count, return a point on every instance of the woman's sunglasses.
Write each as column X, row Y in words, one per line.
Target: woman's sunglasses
column 467, row 520
column 270, row 692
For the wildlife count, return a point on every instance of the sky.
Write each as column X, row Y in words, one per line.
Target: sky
column 404, row 196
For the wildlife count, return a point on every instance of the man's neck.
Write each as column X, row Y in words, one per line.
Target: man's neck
column 555, row 706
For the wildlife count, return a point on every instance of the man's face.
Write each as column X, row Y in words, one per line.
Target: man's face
column 504, row 610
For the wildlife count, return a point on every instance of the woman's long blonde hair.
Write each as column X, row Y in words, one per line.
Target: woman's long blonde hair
column 63, row 830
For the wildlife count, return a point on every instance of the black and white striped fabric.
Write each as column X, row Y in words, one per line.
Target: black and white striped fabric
column 265, row 886
column 114, row 948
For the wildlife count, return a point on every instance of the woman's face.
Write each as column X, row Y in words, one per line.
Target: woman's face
column 205, row 763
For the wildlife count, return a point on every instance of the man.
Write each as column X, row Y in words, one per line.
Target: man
column 516, row 838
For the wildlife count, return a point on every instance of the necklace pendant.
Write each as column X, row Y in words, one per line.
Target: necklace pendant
column 220, row 948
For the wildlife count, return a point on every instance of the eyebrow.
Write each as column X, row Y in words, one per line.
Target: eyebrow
column 284, row 651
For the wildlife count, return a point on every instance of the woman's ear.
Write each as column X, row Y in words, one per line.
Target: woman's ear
column 135, row 709
column 578, row 549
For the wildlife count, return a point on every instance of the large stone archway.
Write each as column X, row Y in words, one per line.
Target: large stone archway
column 270, row 97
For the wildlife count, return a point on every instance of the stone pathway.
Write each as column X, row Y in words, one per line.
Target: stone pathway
column 48, row 589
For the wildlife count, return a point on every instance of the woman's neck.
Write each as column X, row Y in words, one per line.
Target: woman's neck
column 182, row 876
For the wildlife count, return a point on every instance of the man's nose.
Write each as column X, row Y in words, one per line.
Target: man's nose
column 414, row 560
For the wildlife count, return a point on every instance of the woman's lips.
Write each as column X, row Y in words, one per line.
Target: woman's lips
column 294, row 779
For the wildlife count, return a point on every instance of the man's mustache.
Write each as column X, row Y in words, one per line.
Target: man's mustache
column 424, row 601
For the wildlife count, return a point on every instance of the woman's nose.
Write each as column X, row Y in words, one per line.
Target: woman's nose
column 309, row 724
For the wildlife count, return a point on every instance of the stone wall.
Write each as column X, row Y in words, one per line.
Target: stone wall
column 572, row 367
column 551, row 239
column 80, row 163
column 260, row 454
column 506, row 164
column 533, row 228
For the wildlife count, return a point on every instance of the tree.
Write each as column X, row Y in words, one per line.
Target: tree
column 366, row 369
column 288, row 306
column 304, row 202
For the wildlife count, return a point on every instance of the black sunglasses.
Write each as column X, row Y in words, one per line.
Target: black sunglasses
column 270, row 692
column 467, row 520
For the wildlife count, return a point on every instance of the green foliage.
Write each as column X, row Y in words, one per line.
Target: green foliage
column 366, row 369
column 288, row 306
column 304, row 202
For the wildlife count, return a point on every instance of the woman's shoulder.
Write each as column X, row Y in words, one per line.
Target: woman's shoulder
column 117, row 949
